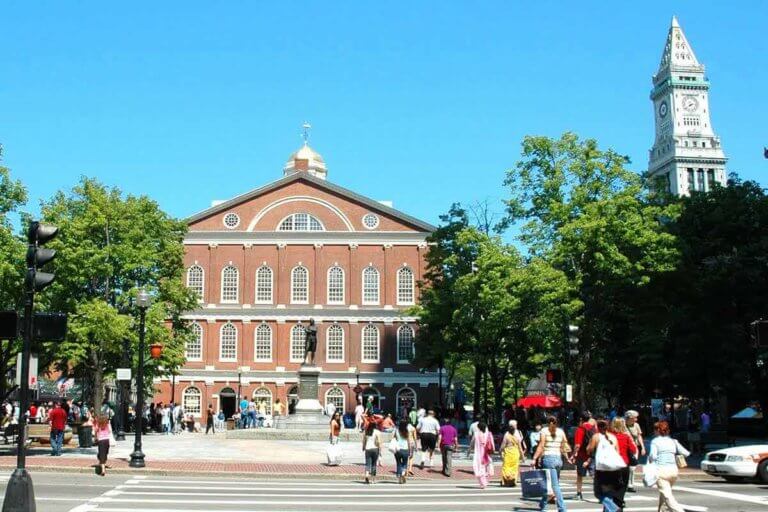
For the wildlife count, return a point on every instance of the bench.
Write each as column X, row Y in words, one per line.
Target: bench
column 38, row 431
column 700, row 440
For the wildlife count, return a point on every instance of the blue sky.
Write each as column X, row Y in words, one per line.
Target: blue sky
column 421, row 103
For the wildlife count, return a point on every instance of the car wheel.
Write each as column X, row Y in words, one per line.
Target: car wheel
column 762, row 471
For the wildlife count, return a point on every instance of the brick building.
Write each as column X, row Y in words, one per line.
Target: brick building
column 267, row 261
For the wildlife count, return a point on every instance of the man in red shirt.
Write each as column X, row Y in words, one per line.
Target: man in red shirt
column 58, row 420
column 581, row 438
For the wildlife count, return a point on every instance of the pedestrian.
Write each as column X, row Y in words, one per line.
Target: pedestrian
column 243, row 412
column 252, row 413
column 277, row 410
column 413, row 417
column 359, row 411
column 335, row 425
column 582, row 460
column 209, row 425
column 636, row 432
column 261, row 412
column 413, row 447
column 103, row 441
column 405, row 448
column 428, row 428
column 166, row 419
column 663, row 453
column 549, row 455
column 627, row 449
column 58, row 420
column 448, row 441
column 369, row 406
column 330, row 409
column 388, row 424
column 482, row 464
column 511, row 453
column 604, row 449
column 372, row 450
column 534, row 438
column 518, row 434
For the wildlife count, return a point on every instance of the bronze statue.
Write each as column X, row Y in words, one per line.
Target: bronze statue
column 310, row 344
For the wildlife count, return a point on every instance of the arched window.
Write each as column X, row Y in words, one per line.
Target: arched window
column 373, row 392
column 263, row 395
column 335, row 285
column 264, row 285
column 300, row 285
column 229, row 284
column 406, row 399
column 298, row 343
column 334, row 349
column 370, row 348
column 370, row 286
column 228, row 343
column 263, row 343
column 195, row 280
column 193, row 350
column 301, row 222
column 405, row 286
column 192, row 401
column 335, row 396
column 405, row 344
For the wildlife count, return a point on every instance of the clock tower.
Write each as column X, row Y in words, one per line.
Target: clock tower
column 686, row 155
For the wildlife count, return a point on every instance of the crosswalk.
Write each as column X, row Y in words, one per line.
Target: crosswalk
column 155, row 494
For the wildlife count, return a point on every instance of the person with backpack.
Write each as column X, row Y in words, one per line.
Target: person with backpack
column 584, row 433
column 609, row 468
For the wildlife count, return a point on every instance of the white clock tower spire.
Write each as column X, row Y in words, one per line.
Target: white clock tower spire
column 686, row 155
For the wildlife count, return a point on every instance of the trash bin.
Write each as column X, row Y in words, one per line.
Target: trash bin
column 85, row 436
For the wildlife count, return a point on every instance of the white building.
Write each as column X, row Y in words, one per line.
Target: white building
column 686, row 155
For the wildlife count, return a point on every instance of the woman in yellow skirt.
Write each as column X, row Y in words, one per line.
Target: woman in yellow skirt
column 511, row 455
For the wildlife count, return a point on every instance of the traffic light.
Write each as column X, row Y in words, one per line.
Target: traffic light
column 554, row 376
column 760, row 333
column 573, row 340
column 38, row 256
column 9, row 325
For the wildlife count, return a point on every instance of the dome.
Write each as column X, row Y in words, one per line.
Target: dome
column 307, row 160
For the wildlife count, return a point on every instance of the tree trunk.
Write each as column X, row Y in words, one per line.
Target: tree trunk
column 477, row 390
column 98, row 388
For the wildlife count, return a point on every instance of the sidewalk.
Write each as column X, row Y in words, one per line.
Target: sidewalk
column 197, row 454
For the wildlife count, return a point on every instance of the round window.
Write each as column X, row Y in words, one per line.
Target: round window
column 370, row 221
column 231, row 220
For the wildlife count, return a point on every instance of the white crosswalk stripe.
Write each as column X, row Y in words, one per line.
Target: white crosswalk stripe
column 179, row 495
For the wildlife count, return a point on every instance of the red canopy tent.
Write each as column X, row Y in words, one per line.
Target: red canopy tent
column 543, row 401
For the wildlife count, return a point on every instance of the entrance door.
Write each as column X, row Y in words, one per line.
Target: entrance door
column 228, row 402
column 293, row 399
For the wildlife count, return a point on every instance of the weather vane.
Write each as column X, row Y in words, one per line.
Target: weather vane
column 305, row 132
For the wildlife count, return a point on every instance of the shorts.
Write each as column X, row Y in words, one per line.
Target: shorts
column 584, row 471
column 428, row 441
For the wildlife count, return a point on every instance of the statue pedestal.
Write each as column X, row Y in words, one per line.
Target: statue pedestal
column 308, row 413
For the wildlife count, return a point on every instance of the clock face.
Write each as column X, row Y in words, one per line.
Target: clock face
column 663, row 109
column 690, row 104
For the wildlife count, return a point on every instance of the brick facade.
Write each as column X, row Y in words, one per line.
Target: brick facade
column 232, row 319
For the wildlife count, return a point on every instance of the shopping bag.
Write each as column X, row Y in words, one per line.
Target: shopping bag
column 650, row 474
column 606, row 457
column 334, row 454
column 534, row 483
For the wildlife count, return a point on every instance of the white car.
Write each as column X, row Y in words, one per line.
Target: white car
column 739, row 462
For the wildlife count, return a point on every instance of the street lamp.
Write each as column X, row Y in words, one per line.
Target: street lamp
column 143, row 301
column 124, row 392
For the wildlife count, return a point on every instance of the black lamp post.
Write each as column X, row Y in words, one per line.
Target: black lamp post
column 143, row 301
column 123, row 415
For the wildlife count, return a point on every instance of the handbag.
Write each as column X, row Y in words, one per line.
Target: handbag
column 681, row 462
column 393, row 445
column 606, row 456
column 633, row 455
column 534, row 483
column 650, row 474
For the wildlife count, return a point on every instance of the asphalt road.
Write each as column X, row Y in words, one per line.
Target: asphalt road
column 70, row 492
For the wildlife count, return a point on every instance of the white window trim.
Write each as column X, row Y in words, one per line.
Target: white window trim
column 328, row 286
column 292, row 285
column 262, row 397
column 397, row 396
column 202, row 280
column 202, row 344
column 255, row 344
column 413, row 338
column 223, row 220
column 378, row 287
column 362, row 221
column 271, row 286
column 413, row 288
column 184, row 401
column 221, row 340
column 293, row 223
column 237, row 288
column 343, row 399
column 290, row 347
column 328, row 342
column 362, row 345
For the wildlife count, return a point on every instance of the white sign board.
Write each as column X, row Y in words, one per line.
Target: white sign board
column 568, row 393
column 123, row 374
column 32, row 371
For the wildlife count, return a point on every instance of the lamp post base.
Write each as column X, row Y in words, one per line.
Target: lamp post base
column 19, row 493
column 120, row 435
column 137, row 459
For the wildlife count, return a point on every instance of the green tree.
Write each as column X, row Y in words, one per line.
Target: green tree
column 583, row 211
column 110, row 244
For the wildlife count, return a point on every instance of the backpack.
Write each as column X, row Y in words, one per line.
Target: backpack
column 588, row 434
